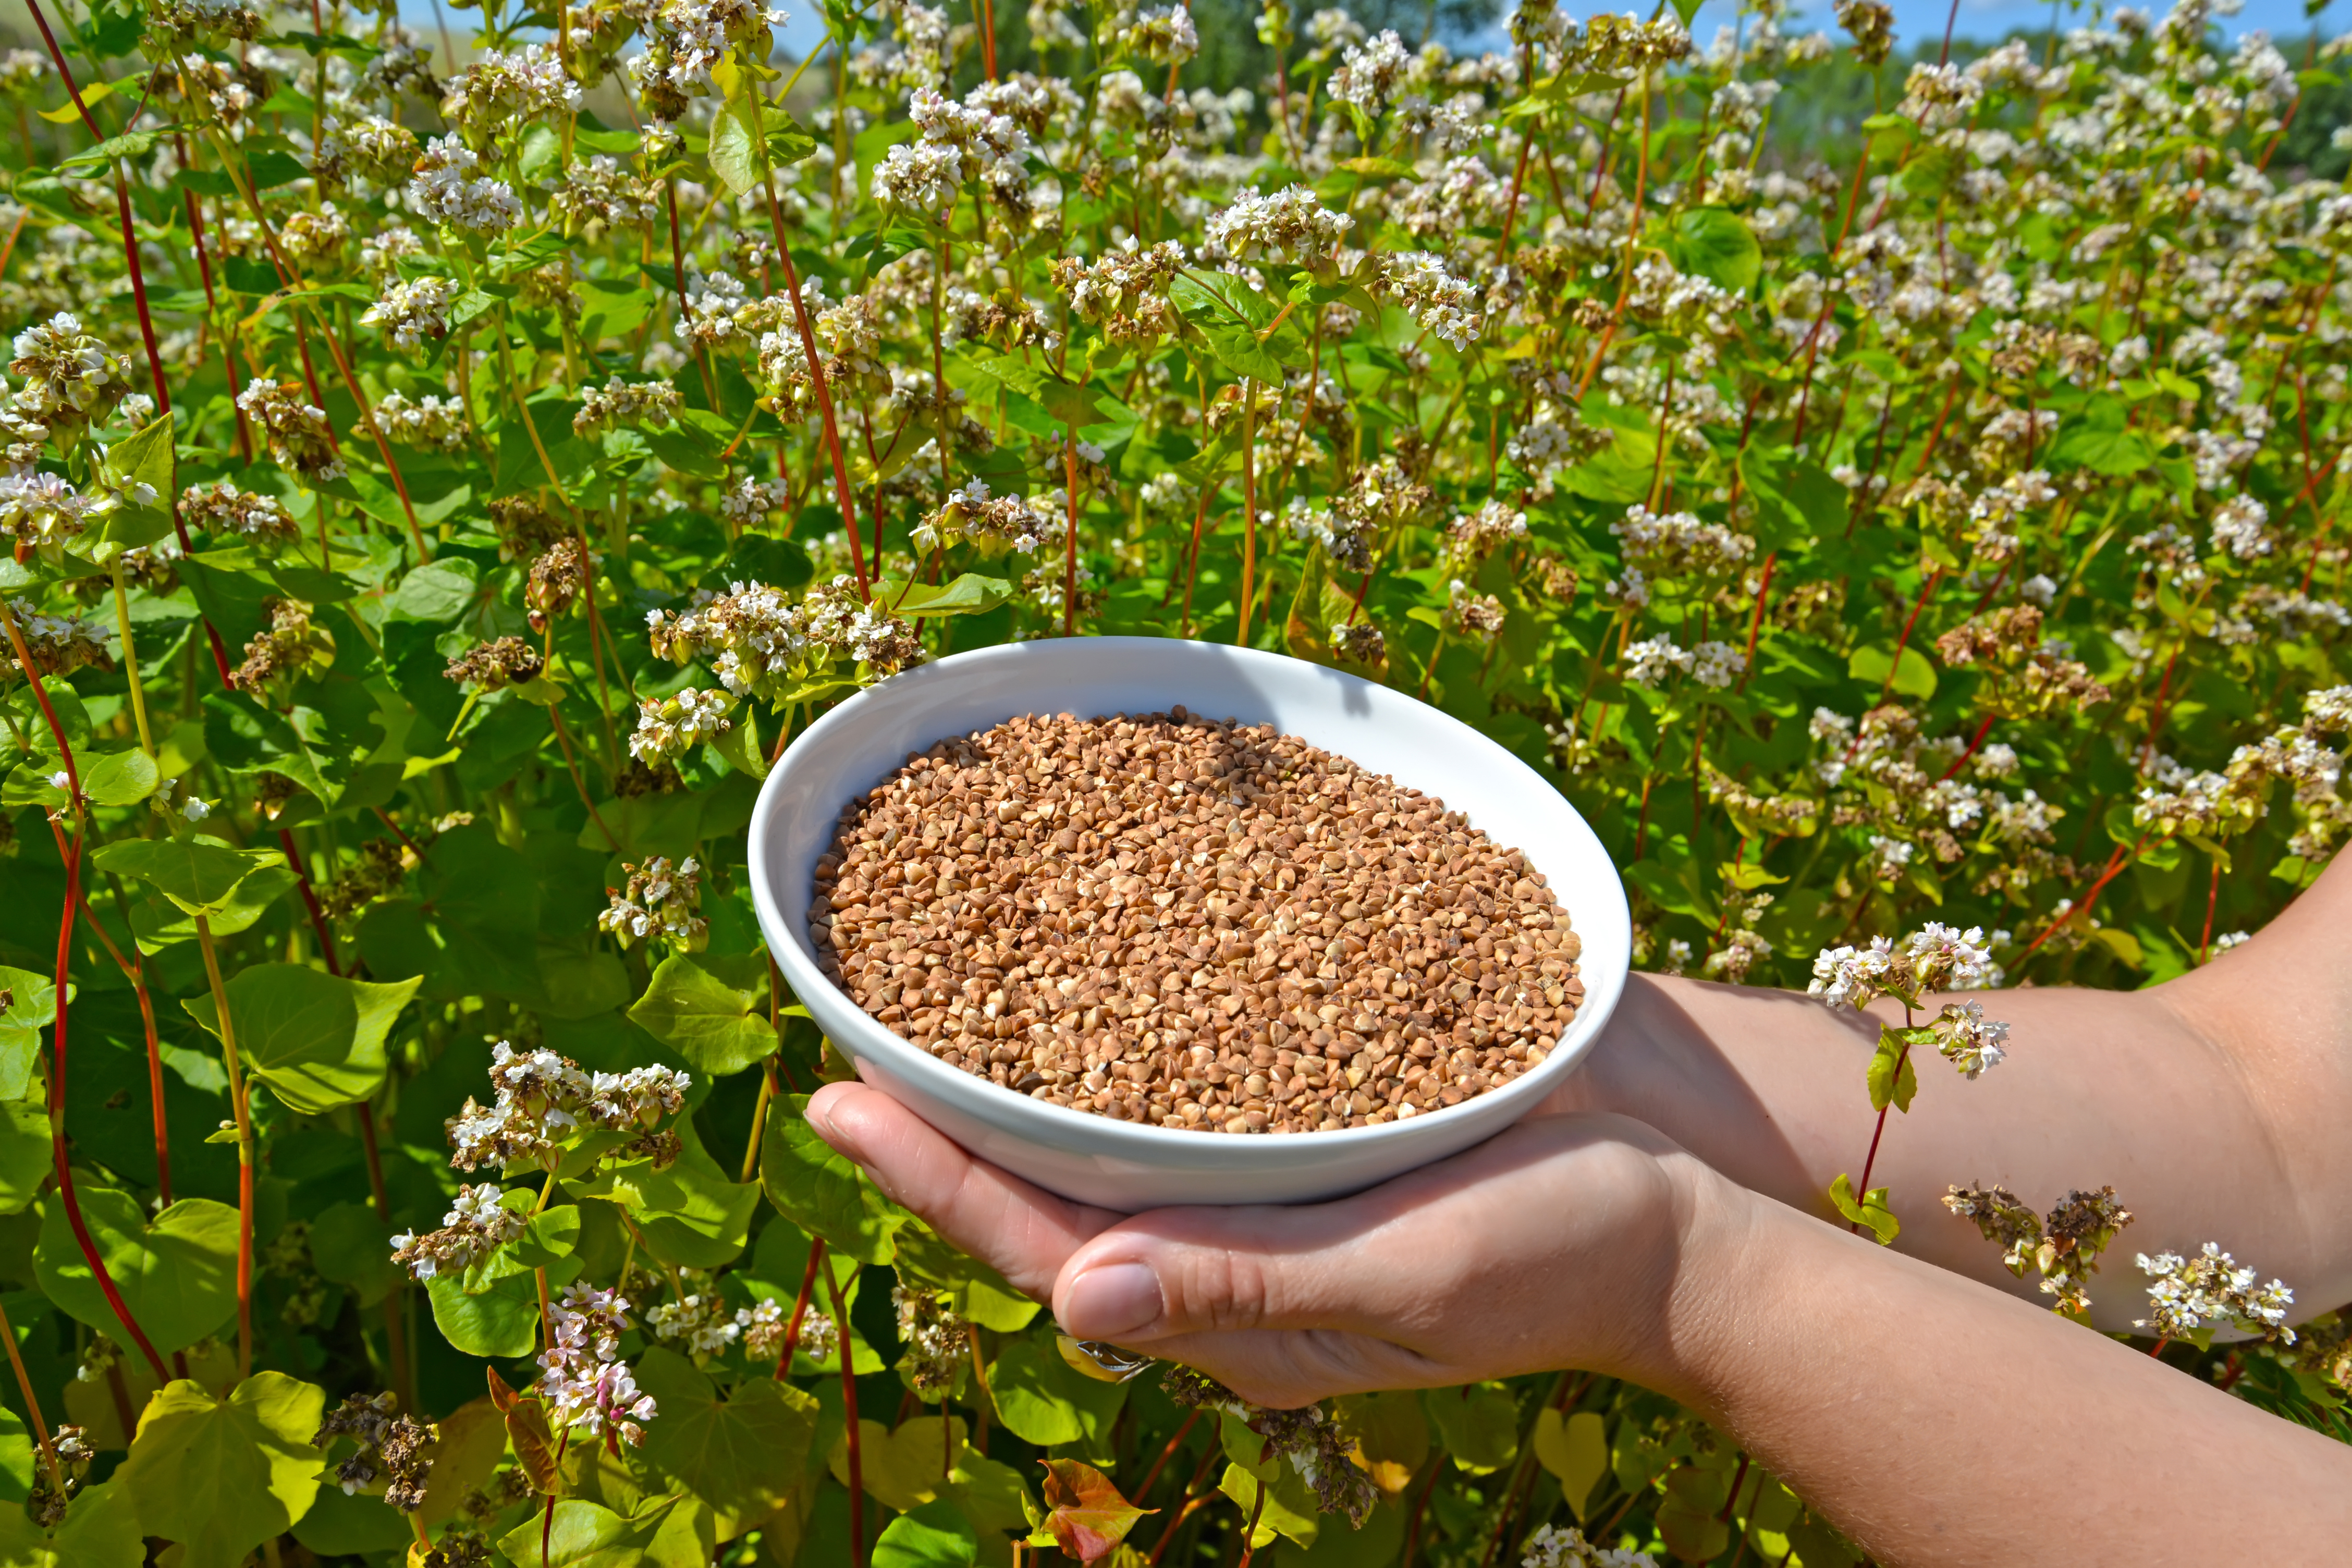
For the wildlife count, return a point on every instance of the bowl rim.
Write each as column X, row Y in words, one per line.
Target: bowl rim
column 901, row 1056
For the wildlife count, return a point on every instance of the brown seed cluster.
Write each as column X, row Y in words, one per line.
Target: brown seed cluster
column 1194, row 924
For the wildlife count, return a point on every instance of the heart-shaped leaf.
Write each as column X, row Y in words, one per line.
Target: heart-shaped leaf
column 221, row 1475
column 820, row 1191
column 716, row 1027
column 1086, row 1515
column 582, row 1534
column 743, row 1455
column 197, row 874
column 936, row 1535
column 29, row 1003
column 691, row 1212
column 176, row 1273
column 316, row 1040
column 101, row 1529
column 500, row 1321
column 904, row 1468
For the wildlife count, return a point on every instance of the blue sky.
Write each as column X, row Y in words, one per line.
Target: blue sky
column 1914, row 19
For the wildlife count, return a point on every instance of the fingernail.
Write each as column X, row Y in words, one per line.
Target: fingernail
column 833, row 1132
column 1106, row 1302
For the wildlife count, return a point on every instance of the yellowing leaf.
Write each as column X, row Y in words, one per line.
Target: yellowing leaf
column 221, row 1475
column 1086, row 1515
column 1575, row 1449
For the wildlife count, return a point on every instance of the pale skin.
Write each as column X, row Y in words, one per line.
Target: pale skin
column 1663, row 1220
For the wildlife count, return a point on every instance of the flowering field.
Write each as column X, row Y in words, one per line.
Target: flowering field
column 439, row 490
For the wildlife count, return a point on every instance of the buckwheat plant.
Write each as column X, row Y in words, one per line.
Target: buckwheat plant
column 1889, row 484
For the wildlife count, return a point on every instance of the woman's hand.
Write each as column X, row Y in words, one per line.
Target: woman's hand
column 1569, row 1240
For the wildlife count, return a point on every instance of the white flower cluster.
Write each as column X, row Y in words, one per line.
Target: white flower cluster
column 1934, row 958
column 498, row 90
column 446, row 190
column 1440, row 303
column 1480, row 534
column 1553, row 1547
column 40, row 508
column 698, row 1321
column 1369, row 73
column 671, row 727
column 412, row 309
column 70, row 378
column 476, row 1226
column 2241, row 527
column 1678, row 543
column 1712, row 664
column 1292, row 225
column 748, row 503
column 1968, row 1039
column 1166, row 37
column 585, row 1384
column 960, row 141
column 661, row 902
column 625, row 402
column 2210, row 1288
column 430, row 421
column 543, row 1101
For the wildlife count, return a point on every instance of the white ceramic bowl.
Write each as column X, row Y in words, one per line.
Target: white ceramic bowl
column 1128, row 1166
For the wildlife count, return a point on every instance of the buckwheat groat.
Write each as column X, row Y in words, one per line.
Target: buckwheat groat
column 1202, row 925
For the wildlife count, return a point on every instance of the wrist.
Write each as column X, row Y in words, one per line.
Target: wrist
column 1728, row 1249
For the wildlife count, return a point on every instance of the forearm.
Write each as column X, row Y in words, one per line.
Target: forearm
column 2132, row 1090
column 1938, row 1422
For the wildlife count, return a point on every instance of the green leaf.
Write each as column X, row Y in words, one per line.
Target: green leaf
column 438, row 591
column 101, row 1529
column 350, row 1246
column 789, row 141
column 1717, row 245
column 1288, row 1511
column 120, row 778
column 197, row 874
column 717, row 1028
column 501, row 1321
column 581, row 1534
column 303, row 1032
column 691, row 1212
column 2117, row 453
column 176, row 1273
column 1478, row 1424
column 934, row 1535
column 247, row 902
column 968, row 594
column 221, row 1477
column 1871, row 1211
column 742, row 1455
column 32, row 1007
column 1042, row 1400
column 1894, row 1067
column 734, row 152
column 1914, row 676
column 821, row 1191
column 25, row 1151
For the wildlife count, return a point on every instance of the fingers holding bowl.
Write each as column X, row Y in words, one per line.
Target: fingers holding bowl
column 1022, row 1232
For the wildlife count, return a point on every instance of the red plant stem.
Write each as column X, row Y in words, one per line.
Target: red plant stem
column 1070, row 545
column 988, row 38
column 1756, row 622
column 1974, row 742
column 1249, row 1531
column 832, row 438
column 849, row 1416
column 123, row 215
column 2115, row 863
column 1877, row 1132
column 309, row 901
column 1192, row 563
column 800, row 1310
column 1195, row 1499
column 2212, row 896
column 1166, row 1454
column 2156, row 710
column 1413, row 1523
column 395, row 1326
column 71, row 850
column 134, row 970
column 1511, row 207
column 1249, row 512
column 1739, row 1479
column 1904, row 641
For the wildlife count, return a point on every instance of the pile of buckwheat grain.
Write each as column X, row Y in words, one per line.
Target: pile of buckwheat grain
column 1196, row 924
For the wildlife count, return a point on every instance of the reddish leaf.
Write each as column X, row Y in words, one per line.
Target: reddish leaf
column 534, row 1444
column 1086, row 1513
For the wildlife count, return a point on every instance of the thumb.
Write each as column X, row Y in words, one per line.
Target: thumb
column 1202, row 1270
